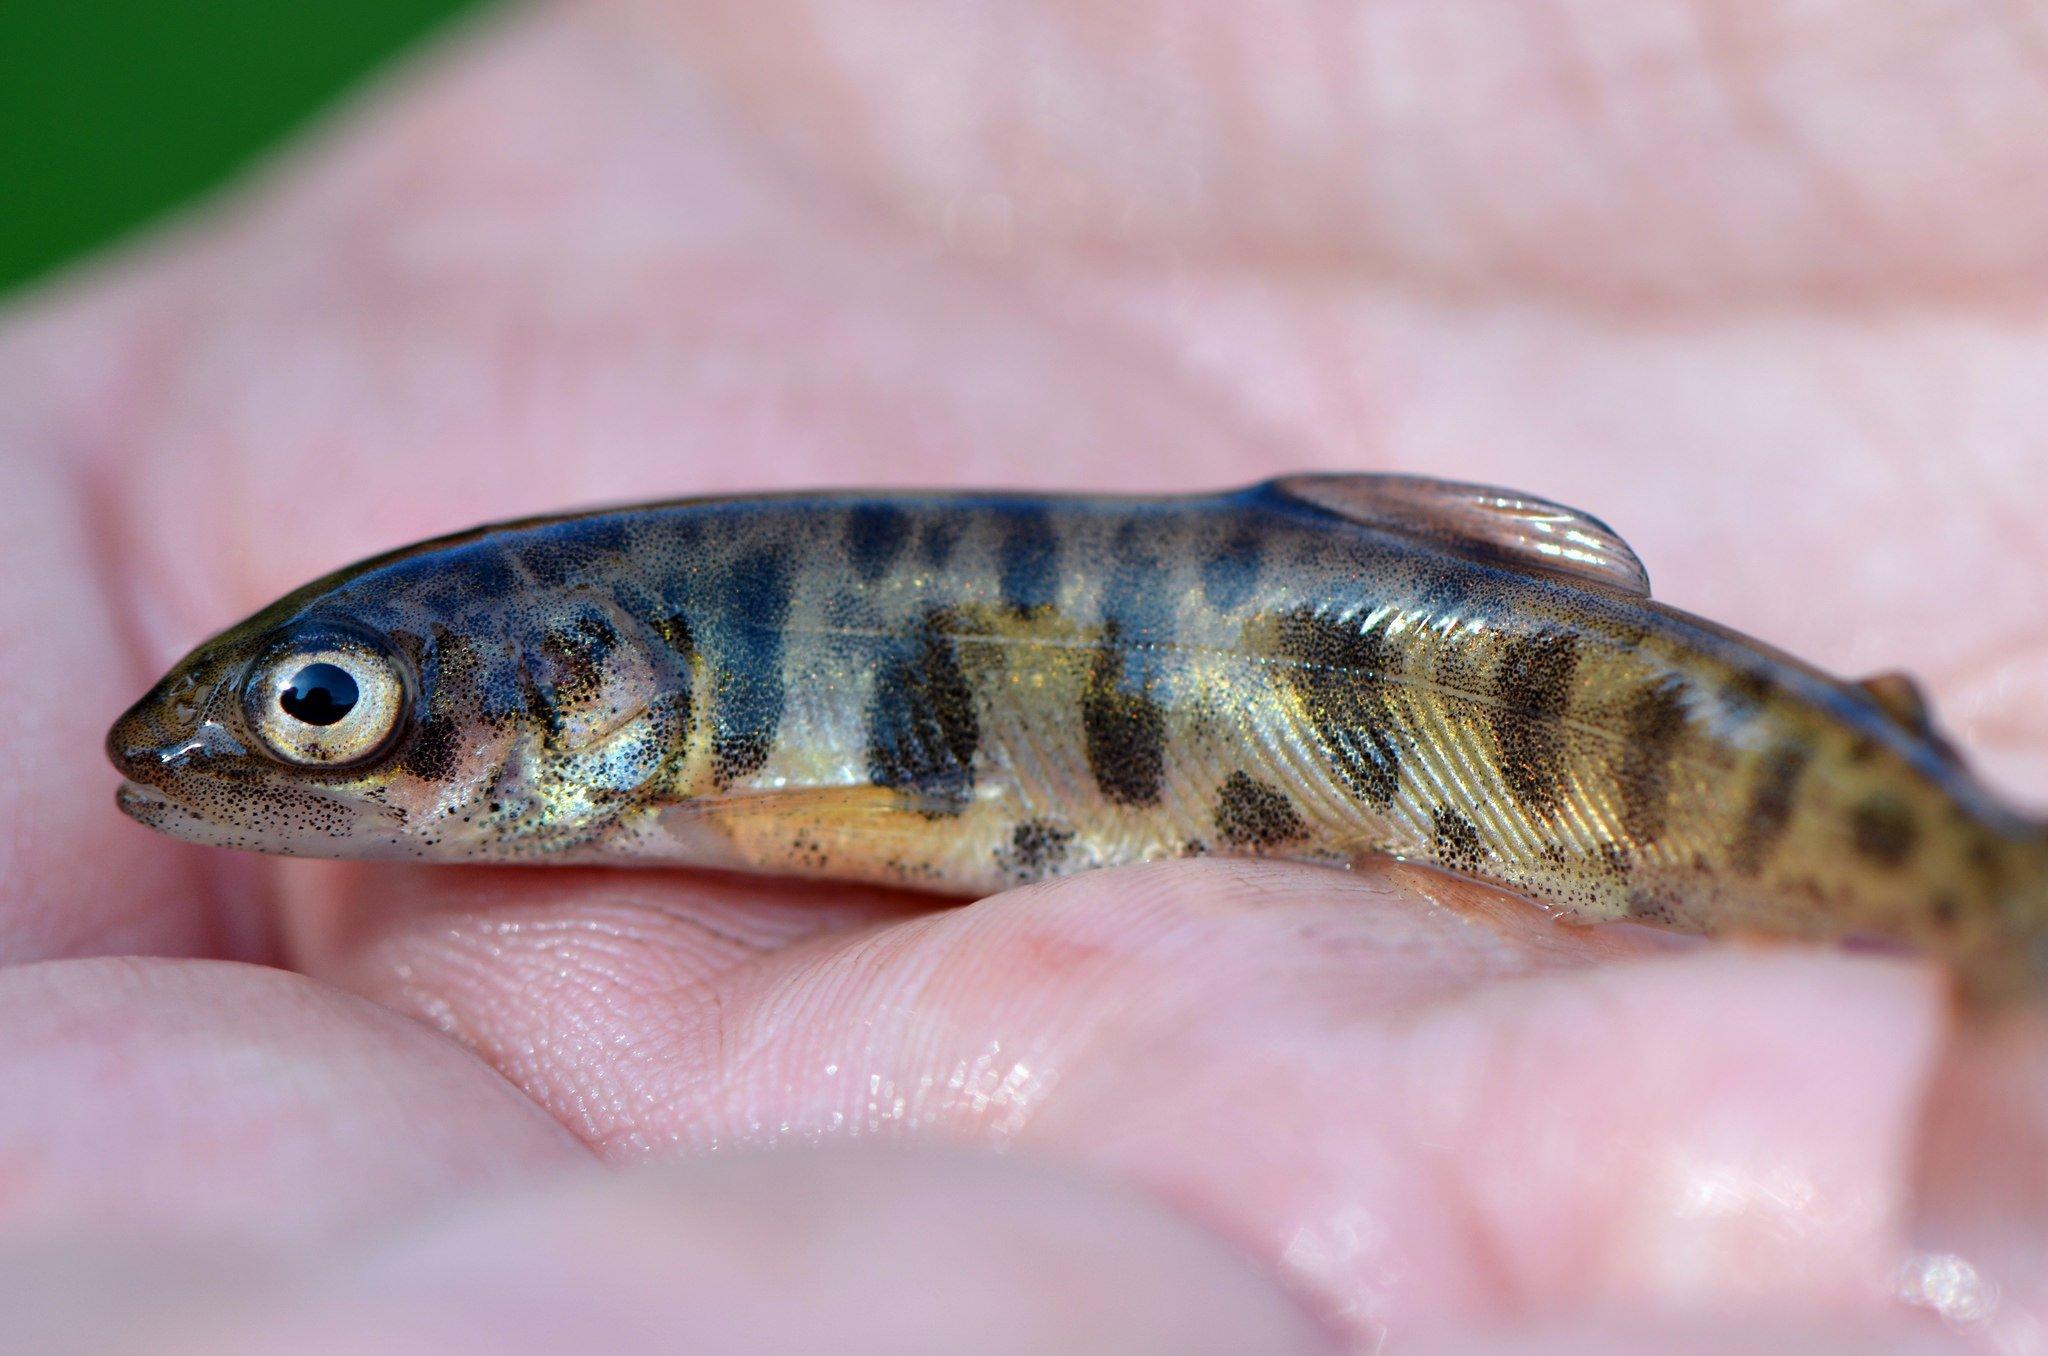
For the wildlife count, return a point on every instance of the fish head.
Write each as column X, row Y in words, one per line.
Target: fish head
column 367, row 715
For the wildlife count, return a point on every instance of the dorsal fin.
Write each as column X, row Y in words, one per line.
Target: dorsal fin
column 1480, row 521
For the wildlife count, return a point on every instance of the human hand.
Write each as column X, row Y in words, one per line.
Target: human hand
column 1749, row 284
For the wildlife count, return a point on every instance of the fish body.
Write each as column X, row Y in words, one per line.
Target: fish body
column 964, row 692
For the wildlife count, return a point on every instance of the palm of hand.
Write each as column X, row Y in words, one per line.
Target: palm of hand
column 591, row 260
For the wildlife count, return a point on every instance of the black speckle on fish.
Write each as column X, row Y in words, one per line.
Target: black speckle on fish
column 1252, row 814
column 1455, row 841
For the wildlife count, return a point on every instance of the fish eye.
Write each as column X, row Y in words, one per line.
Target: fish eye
column 329, row 701
column 320, row 694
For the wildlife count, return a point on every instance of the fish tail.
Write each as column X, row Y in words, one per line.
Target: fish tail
column 2007, row 961
column 2031, row 911
column 2011, row 962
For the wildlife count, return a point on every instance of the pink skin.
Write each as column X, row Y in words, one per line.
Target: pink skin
column 1757, row 287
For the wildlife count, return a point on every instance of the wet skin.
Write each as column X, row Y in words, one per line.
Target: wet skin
column 959, row 693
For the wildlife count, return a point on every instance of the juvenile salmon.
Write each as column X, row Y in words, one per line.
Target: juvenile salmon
column 963, row 692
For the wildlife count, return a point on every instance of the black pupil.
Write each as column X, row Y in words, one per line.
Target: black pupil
column 320, row 694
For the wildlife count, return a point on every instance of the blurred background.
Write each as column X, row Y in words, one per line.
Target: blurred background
column 115, row 112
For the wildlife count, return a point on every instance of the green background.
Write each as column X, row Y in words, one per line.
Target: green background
column 113, row 111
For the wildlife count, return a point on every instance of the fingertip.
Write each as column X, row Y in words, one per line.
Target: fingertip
column 849, row 1250
column 230, row 1100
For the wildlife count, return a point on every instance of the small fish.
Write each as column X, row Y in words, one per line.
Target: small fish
column 963, row 692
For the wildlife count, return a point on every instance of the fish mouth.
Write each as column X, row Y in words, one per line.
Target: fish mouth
column 353, row 829
column 144, row 805
column 153, row 809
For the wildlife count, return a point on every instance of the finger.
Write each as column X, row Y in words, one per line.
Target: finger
column 70, row 881
column 410, row 238
column 841, row 1251
column 1404, row 1133
column 561, row 961
column 219, row 1100
column 1982, row 1186
column 1603, row 149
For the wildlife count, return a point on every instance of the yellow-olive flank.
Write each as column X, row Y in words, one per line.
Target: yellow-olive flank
column 963, row 692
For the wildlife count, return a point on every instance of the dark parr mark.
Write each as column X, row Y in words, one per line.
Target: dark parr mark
column 561, row 552
column 1029, row 559
column 922, row 726
column 1344, row 677
column 479, row 572
column 1231, row 573
column 1748, row 692
column 569, row 661
column 431, row 753
column 1135, row 599
column 747, row 690
column 1652, row 727
column 1455, row 841
column 936, row 542
column 1123, row 728
column 1884, row 831
column 455, row 667
column 1251, row 814
column 1038, row 845
column 1769, row 809
column 1534, row 686
column 875, row 536
column 456, row 673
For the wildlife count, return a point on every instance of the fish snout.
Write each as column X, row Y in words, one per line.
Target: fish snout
column 163, row 730
column 135, row 744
